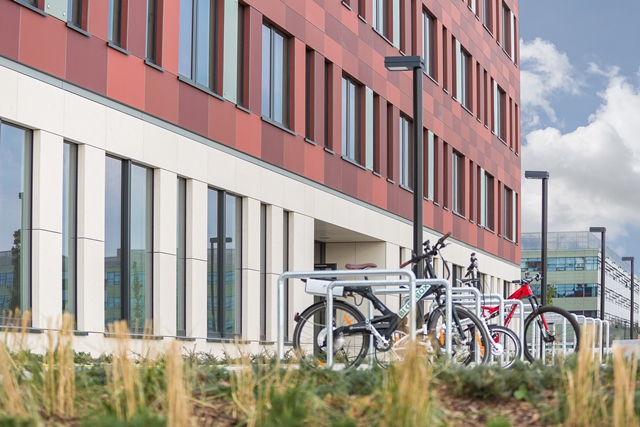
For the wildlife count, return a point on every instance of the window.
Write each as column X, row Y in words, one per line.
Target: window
column 128, row 244
column 154, row 31
column 499, row 111
column 285, row 267
column 69, row 226
column 457, row 183
column 328, row 87
column 376, row 132
column 351, row 111
column 76, row 13
column 507, row 30
column 263, row 272
column 380, row 18
column 117, row 31
column 472, row 5
column 198, row 50
column 275, row 59
column 428, row 43
column 486, row 201
column 362, row 8
column 181, row 258
column 390, row 136
column 224, row 222
column 463, row 76
column 406, row 152
column 486, row 14
column 508, row 209
column 310, row 92
column 243, row 69
column 15, row 219
column 431, row 165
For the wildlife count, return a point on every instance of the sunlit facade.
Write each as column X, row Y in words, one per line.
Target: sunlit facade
column 163, row 162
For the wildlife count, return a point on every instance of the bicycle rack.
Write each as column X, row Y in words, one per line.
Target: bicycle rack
column 601, row 345
column 411, row 281
column 412, row 303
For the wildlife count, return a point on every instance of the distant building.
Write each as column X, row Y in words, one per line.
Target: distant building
column 574, row 275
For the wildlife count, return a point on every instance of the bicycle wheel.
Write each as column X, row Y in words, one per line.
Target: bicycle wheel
column 398, row 348
column 472, row 340
column 310, row 335
column 560, row 333
column 507, row 347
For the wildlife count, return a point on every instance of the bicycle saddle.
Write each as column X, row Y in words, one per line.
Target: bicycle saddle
column 360, row 266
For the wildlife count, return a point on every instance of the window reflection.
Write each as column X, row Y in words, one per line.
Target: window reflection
column 128, row 243
column 15, row 213
column 224, row 264
column 274, row 75
column 69, row 195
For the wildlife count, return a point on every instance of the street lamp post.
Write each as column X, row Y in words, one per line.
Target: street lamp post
column 633, row 291
column 603, row 262
column 415, row 63
column 544, row 176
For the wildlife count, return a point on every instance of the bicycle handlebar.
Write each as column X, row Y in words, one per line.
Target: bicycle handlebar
column 428, row 250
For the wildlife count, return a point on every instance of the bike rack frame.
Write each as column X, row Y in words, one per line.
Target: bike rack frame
column 411, row 281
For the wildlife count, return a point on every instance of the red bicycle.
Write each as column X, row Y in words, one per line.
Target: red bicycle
column 549, row 331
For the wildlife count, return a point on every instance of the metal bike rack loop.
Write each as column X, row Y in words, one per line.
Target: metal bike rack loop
column 411, row 281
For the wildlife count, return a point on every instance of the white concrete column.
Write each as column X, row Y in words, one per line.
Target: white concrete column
column 91, row 204
column 165, row 192
column 274, row 268
column 46, row 236
column 250, row 269
column 196, row 259
column 301, row 240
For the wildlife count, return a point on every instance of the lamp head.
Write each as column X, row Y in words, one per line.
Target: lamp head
column 597, row 229
column 403, row 63
column 536, row 174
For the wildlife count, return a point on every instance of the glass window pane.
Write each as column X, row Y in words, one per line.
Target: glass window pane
column 266, row 71
column 15, row 201
column 233, row 267
column 212, row 262
column 203, row 42
column 186, row 38
column 140, row 247
column 69, row 195
column 113, row 240
column 181, row 237
column 278, row 78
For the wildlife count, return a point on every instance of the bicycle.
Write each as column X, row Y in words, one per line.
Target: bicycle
column 352, row 330
column 547, row 327
column 506, row 346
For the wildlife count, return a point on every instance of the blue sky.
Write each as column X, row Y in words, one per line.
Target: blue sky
column 580, row 77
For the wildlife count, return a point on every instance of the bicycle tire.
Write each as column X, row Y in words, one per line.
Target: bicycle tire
column 554, row 317
column 309, row 335
column 511, row 346
column 472, row 329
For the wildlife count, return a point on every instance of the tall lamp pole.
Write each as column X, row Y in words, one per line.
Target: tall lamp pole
column 603, row 262
column 415, row 63
column 633, row 291
column 544, row 176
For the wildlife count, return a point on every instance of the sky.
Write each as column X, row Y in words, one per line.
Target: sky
column 580, row 98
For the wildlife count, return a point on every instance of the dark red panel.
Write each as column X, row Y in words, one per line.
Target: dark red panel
column 43, row 42
column 87, row 62
column 333, row 170
column 193, row 105
column 272, row 144
column 137, row 29
column 349, row 178
column 222, row 121
column 294, row 153
column 161, row 94
column 9, row 29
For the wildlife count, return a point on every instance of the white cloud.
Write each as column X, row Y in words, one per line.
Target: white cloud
column 594, row 170
column 545, row 75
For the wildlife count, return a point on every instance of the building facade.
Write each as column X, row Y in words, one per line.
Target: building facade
column 574, row 262
column 164, row 161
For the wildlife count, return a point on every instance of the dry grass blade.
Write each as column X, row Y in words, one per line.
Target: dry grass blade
column 408, row 397
column 586, row 406
column 10, row 397
column 178, row 390
column 123, row 381
column 624, row 388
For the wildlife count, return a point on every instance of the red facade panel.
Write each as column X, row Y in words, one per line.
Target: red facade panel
column 335, row 35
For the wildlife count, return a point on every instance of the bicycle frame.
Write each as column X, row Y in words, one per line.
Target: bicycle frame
column 524, row 291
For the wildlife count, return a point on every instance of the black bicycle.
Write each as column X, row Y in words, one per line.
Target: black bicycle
column 352, row 331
